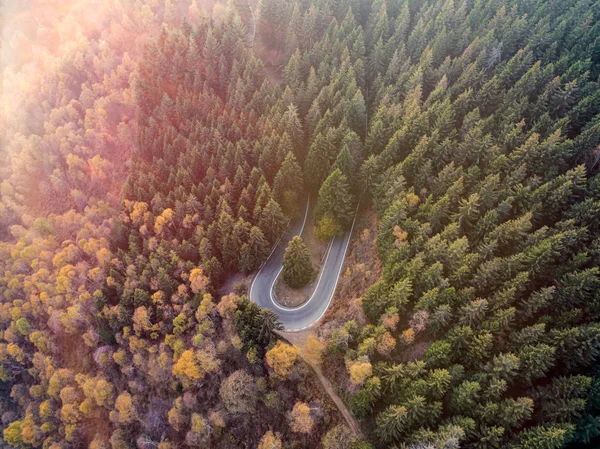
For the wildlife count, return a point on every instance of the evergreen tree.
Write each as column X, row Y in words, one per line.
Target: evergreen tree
column 255, row 251
column 272, row 221
column 473, row 129
column 346, row 164
column 288, row 185
column 297, row 266
column 545, row 437
column 334, row 209
column 320, row 157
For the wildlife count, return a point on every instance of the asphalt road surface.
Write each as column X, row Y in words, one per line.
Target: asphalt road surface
column 304, row 316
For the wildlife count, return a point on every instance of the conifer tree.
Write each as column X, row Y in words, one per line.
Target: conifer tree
column 272, row 221
column 334, row 209
column 288, row 185
column 297, row 266
column 318, row 161
column 473, row 125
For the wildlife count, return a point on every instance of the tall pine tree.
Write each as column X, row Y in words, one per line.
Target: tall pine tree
column 297, row 267
column 334, row 209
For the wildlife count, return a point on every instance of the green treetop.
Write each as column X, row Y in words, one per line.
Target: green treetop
column 334, row 210
column 297, row 267
column 288, row 184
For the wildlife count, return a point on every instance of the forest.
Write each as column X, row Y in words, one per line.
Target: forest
column 154, row 152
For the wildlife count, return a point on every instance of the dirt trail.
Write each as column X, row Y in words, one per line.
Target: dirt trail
column 298, row 339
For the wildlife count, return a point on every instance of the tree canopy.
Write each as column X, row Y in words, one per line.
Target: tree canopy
column 153, row 152
column 297, row 266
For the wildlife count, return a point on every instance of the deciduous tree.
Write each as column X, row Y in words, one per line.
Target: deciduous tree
column 300, row 419
column 282, row 358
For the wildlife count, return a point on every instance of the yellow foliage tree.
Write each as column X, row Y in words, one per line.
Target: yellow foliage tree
column 124, row 405
column 103, row 255
column 15, row 352
column 46, row 409
column 199, row 424
column 207, row 358
column 326, row 228
column 270, row 440
column 359, row 371
column 390, row 320
column 282, row 358
column 228, row 305
column 207, row 305
column 177, row 418
column 69, row 414
column 300, row 419
column 408, row 336
column 186, row 368
column 141, row 320
column 120, row 357
column 103, row 393
column 159, row 225
column 163, row 220
column 400, row 235
column 412, row 200
column 97, row 389
column 31, row 433
column 314, row 350
column 386, row 344
column 99, row 443
column 198, row 282
column 13, row 434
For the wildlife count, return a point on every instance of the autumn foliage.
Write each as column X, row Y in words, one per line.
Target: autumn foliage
column 150, row 160
column 282, row 357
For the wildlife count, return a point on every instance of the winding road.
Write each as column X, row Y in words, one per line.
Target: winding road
column 302, row 317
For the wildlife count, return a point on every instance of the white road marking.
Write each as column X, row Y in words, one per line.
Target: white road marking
column 305, row 214
column 339, row 271
column 273, row 301
column 275, row 247
column 314, row 291
column 346, row 245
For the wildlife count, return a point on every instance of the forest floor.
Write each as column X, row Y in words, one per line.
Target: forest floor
column 294, row 297
column 362, row 268
column 236, row 283
column 298, row 339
